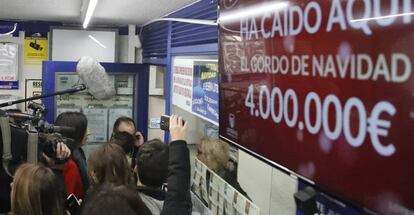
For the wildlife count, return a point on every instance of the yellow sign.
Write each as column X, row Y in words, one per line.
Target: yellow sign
column 35, row 50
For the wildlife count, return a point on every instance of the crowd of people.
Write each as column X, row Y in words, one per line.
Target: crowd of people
column 107, row 183
column 122, row 176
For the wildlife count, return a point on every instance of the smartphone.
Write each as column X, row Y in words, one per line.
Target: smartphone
column 165, row 123
column 72, row 204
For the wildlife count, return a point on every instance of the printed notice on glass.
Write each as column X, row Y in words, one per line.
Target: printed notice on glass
column 60, row 110
column 182, row 83
column 114, row 114
column 97, row 123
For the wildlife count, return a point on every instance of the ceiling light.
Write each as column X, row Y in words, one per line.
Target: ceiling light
column 91, row 8
column 253, row 11
column 97, row 41
column 382, row 17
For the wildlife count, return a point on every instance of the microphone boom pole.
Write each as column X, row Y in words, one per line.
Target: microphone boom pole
column 76, row 89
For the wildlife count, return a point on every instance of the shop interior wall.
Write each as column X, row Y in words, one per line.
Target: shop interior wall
column 34, row 71
column 26, row 71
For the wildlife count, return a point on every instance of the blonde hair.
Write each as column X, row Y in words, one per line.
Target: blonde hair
column 214, row 153
column 35, row 191
column 109, row 164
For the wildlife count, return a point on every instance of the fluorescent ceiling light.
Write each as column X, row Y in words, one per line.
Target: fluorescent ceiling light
column 253, row 11
column 97, row 41
column 89, row 12
column 382, row 17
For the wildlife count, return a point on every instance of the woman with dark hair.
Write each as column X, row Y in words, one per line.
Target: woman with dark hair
column 35, row 191
column 112, row 199
column 75, row 171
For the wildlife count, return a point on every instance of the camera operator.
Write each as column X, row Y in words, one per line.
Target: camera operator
column 27, row 176
column 14, row 148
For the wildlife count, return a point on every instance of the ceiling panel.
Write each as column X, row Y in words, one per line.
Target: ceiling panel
column 135, row 11
column 117, row 12
column 44, row 10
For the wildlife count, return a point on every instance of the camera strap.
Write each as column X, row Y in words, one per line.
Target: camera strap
column 32, row 147
column 6, row 137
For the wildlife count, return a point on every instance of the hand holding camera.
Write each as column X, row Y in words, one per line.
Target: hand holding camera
column 56, row 151
column 178, row 128
column 62, row 155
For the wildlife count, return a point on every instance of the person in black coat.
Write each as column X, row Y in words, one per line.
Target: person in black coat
column 178, row 198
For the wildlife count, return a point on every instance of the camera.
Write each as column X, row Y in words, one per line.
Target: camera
column 50, row 142
column 35, row 46
column 165, row 123
column 29, row 136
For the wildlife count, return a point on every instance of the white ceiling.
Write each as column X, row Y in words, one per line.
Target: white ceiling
column 119, row 12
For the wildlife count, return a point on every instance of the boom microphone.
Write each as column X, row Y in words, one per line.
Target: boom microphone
column 95, row 78
column 59, row 129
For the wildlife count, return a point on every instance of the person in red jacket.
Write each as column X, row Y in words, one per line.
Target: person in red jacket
column 75, row 171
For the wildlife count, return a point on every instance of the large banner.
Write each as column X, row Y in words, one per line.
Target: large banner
column 325, row 89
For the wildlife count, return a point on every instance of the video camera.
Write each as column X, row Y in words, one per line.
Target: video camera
column 24, row 137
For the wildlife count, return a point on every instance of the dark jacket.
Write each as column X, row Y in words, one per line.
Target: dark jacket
column 231, row 179
column 178, row 197
column 78, row 156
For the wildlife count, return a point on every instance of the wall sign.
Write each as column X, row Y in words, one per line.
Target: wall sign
column 9, row 66
column 33, row 88
column 205, row 89
column 35, row 50
column 325, row 89
column 195, row 87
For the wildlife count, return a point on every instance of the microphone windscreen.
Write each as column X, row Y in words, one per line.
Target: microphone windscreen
column 95, row 78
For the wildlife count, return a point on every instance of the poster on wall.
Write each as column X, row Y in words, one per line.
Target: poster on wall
column 33, row 87
column 324, row 89
column 9, row 66
column 195, row 87
column 205, row 89
column 97, row 124
column 182, row 83
column 35, row 50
